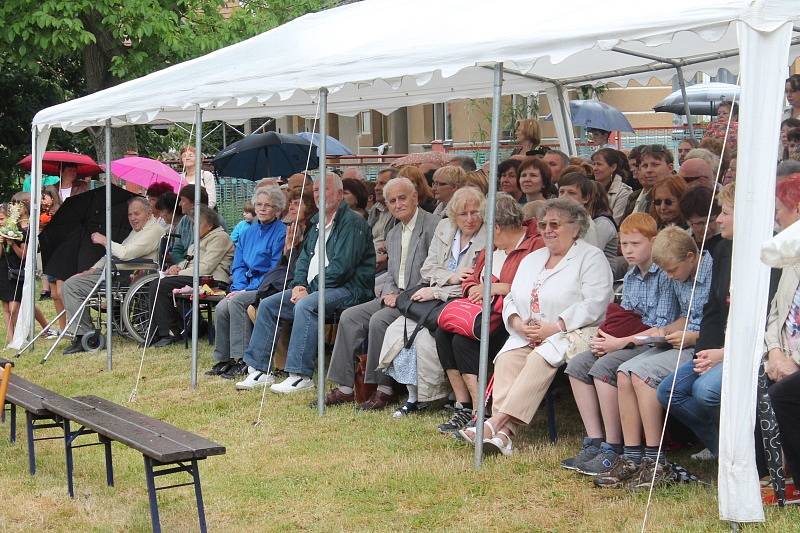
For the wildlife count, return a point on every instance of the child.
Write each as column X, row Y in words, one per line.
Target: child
column 648, row 297
column 675, row 252
column 248, row 215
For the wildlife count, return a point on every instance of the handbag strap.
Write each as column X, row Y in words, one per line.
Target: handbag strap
column 420, row 325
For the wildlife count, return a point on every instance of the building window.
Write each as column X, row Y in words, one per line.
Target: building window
column 366, row 122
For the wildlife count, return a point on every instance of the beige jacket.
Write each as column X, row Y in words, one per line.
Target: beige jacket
column 779, row 310
column 618, row 195
column 216, row 256
column 434, row 270
column 142, row 244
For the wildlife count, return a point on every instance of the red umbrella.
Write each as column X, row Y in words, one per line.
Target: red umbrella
column 53, row 161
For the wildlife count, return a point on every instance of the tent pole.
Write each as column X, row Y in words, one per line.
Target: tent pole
column 322, row 152
column 487, row 267
column 36, row 200
column 198, row 174
column 109, row 296
column 687, row 112
column 564, row 114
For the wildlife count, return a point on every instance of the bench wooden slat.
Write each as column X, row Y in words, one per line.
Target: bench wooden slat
column 29, row 396
column 119, row 424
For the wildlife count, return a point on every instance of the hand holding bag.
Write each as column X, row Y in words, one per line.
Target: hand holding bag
column 425, row 313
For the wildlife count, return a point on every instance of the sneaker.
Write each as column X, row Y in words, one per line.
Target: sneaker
column 704, row 455
column 52, row 333
column 587, row 452
column 255, row 379
column 621, row 471
column 44, row 295
column 461, row 417
column 220, row 368
column 600, row 464
column 237, row 370
column 292, row 384
column 646, row 475
column 407, row 409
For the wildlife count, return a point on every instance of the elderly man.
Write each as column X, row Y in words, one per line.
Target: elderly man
column 296, row 181
column 557, row 161
column 407, row 244
column 349, row 281
column 697, row 171
column 141, row 243
column 446, row 181
column 379, row 218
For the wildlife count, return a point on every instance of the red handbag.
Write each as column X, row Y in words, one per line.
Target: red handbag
column 463, row 317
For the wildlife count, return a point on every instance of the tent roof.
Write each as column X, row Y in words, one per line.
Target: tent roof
column 383, row 55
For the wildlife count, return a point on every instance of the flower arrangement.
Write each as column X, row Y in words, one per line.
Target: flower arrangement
column 10, row 230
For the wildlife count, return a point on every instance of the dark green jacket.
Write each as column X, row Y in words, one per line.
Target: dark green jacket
column 351, row 256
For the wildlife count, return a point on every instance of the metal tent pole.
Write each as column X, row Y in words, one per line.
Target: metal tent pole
column 487, row 267
column 109, row 296
column 322, row 152
column 565, row 112
column 198, row 174
column 682, row 83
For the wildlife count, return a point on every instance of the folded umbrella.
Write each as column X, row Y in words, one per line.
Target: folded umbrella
column 265, row 155
column 53, row 161
column 333, row 147
column 144, row 171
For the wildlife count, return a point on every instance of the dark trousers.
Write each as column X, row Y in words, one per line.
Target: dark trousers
column 785, row 397
column 462, row 353
column 166, row 317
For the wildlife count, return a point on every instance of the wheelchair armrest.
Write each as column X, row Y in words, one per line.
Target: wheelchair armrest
column 134, row 264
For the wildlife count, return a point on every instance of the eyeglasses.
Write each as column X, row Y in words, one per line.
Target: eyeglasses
column 552, row 224
column 666, row 201
column 265, row 206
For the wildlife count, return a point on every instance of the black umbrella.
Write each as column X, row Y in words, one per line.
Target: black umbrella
column 264, row 155
column 66, row 241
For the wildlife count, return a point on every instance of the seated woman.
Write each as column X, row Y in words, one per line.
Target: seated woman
column 609, row 167
column 508, row 178
column 666, row 208
column 355, row 194
column 451, row 257
column 424, row 192
column 259, row 251
column 459, row 354
column 215, row 256
column 558, row 295
column 534, row 180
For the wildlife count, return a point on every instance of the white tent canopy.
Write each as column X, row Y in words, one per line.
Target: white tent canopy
column 383, row 55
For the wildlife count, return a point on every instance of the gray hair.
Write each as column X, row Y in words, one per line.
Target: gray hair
column 337, row 180
column 788, row 166
column 508, row 213
column 275, row 195
column 209, row 216
column 141, row 200
column 573, row 211
column 564, row 157
column 396, row 182
column 706, row 155
column 460, row 199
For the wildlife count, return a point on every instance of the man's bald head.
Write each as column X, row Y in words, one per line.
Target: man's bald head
column 697, row 170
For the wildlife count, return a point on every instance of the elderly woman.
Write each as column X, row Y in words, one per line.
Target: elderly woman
column 534, row 180
column 458, row 354
column 215, row 256
column 451, row 257
column 259, row 250
column 557, row 299
column 608, row 164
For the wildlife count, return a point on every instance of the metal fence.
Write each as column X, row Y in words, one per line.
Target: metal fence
column 232, row 193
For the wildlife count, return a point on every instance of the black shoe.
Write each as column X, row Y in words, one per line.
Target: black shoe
column 44, row 295
column 75, row 347
column 164, row 341
column 461, row 417
column 236, row 370
column 220, row 368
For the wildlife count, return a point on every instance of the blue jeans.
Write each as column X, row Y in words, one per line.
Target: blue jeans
column 695, row 401
column 302, row 356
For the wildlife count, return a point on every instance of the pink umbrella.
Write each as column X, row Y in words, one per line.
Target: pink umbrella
column 144, row 172
column 418, row 158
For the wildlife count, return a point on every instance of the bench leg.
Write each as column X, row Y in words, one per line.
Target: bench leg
column 68, row 453
column 198, row 494
column 109, row 463
column 13, row 422
column 31, row 445
column 151, row 491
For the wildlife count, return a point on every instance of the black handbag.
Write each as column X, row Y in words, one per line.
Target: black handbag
column 425, row 313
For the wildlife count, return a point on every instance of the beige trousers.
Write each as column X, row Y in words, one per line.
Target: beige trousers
column 521, row 379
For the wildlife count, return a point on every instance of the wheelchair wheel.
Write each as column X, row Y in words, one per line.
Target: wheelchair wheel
column 137, row 308
column 93, row 341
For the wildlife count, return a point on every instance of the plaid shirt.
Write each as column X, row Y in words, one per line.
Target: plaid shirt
column 651, row 296
column 683, row 291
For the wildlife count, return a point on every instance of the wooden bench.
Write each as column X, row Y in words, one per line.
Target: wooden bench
column 166, row 449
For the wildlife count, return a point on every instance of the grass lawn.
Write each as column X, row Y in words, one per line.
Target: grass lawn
column 346, row 471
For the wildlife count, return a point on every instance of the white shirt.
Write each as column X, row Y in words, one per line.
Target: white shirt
column 64, row 193
column 405, row 240
column 313, row 266
column 208, row 182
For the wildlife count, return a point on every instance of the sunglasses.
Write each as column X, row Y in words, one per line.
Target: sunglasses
column 666, row 201
column 553, row 225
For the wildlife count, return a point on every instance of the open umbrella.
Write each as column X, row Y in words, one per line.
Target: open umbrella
column 598, row 115
column 144, row 171
column 53, row 161
column 703, row 99
column 418, row 158
column 66, row 244
column 333, row 147
column 265, row 155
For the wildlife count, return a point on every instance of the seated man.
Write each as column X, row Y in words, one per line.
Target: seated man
column 349, row 280
column 141, row 243
column 407, row 245
column 215, row 256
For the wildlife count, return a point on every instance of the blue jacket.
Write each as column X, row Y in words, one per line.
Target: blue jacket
column 259, row 250
column 238, row 229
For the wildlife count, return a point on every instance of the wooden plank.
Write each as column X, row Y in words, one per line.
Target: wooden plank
column 29, row 396
column 152, row 443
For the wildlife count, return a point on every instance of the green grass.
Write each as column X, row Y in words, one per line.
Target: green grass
column 296, row 471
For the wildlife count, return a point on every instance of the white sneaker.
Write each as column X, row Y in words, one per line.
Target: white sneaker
column 292, row 384
column 704, row 455
column 255, row 379
column 52, row 333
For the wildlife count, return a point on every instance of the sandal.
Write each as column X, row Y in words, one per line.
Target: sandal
column 495, row 445
column 469, row 438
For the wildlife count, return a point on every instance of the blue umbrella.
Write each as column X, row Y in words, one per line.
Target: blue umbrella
column 333, row 147
column 598, row 115
column 264, row 155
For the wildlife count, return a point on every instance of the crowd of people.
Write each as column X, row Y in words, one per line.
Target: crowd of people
column 615, row 268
